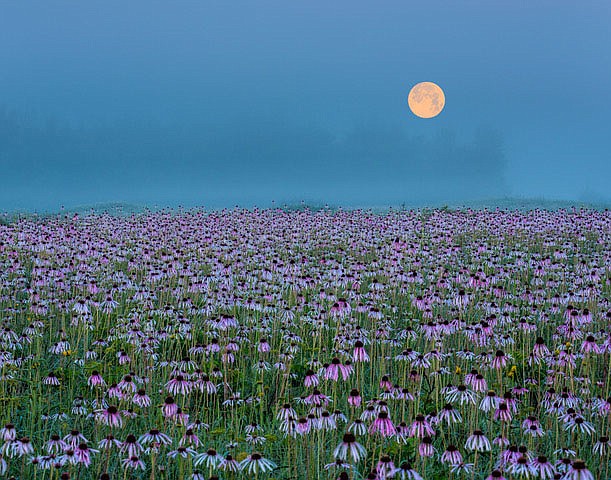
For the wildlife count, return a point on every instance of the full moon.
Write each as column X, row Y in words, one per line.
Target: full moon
column 426, row 99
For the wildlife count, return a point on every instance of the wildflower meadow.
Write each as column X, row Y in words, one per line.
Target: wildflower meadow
column 332, row 344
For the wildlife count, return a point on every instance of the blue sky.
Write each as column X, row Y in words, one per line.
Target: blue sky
column 246, row 102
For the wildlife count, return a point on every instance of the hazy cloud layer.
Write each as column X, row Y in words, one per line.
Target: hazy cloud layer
column 206, row 102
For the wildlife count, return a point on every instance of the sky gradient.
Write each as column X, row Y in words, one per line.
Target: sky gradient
column 215, row 103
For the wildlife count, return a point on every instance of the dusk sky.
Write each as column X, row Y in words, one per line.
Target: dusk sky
column 245, row 102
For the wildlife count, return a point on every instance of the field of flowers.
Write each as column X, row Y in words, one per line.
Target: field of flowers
column 304, row 345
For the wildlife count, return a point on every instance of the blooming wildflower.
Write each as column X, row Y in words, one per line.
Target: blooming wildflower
column 169, row 409
column 255, row 463
column 578, row 471
column 51, row 379
column 189, row 438
column 154, row 436
column 382, row 425
column 339, row 464
column 500, row 360
column 601, row 447
column 131, row 446
column 182, row 452
column 496, row 475
column 489, row 402
column 178, row 385
column 110, row 416
column 359, row 354
column 141, row 399
column 229, row 464
column 503, row 413
column 426, row 449
column 8, row 433
column 541, row 467
column 83, row 454
column 56, row 444
column 133, row 462
column 358, row 427
column 286, row 412
column 520, row 468
column 385, row 467
column 311, row 379
column 478, row 442
column 21, row 447
column 461, row 467
column 577, row 423
column 420, row 428
column 109, row 442
column 74, row 438
column 451, row 456
column 95, row 379
column 449, row 414
column 405, row 472
column 349, row 447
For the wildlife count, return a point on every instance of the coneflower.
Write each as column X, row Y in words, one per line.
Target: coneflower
column 420, row 428
column 578, row 471
column 311, row 379
column 601, row 447
column 521, row 468
column 141, row 399
column 74, row 438
column 109, row 442
column 83, row 454
column 55, row 444
column 478, row 442
column 339, row 465
column 182, row 452
column 358, row 427
column 426, row 449
column 95, row 379
column 449, row 414
column 179, row 385
column 21, row 447
column 8, row 433
column 359, row 354
column 154, row 436
column 110, row 416
column 51, row 379
column 542, row 467
column 382, row 425
column 229, row 464
column 496, row 475
column 133, row 462
column 349, row 449
column 285, row 412
column 131, row 446
column 256, row 463
column 451, row 456
column 405, row 472
column 385, row 467
column 503, row 413
column 169, row 409
column 500, row 360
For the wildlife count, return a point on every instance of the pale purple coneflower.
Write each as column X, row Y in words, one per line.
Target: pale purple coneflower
column 478, row 442
column 451, row 456
column 349, row 449
column 131, row 446
column 382, row 425
column 256, row 463
column 133, row 462
column 154, row 436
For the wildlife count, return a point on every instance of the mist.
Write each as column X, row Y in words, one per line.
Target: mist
column 200, row 103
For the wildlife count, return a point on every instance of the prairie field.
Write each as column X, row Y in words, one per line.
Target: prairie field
column 266, row 343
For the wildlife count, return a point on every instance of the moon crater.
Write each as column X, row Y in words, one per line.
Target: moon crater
column 426, row 100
